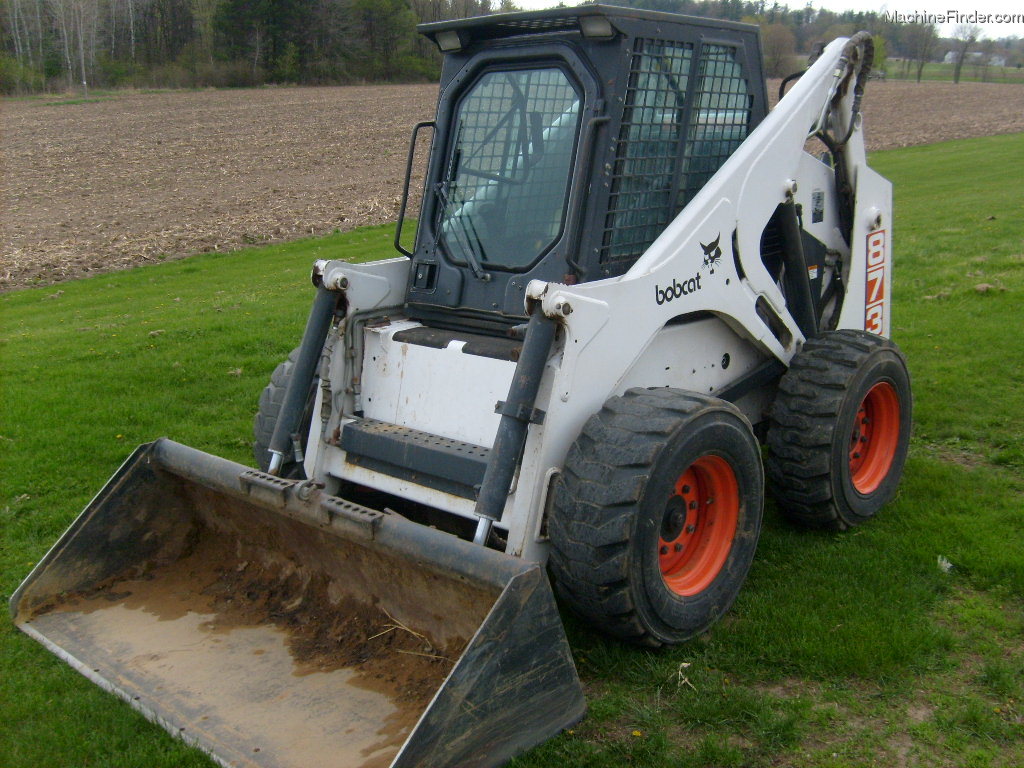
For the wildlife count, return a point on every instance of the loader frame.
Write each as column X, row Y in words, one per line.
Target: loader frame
column 702, row 309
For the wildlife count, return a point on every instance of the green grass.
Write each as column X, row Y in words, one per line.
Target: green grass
column 842, row 650
column 971, row 73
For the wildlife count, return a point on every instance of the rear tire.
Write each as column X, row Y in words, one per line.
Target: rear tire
column 840, row 429
column 657, row 514
column 266, row 419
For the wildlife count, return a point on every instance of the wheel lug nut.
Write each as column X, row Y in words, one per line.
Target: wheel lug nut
column 678, row 547
column 664, row 550
column 691, row 528
column 693, row 505
column 686, row 489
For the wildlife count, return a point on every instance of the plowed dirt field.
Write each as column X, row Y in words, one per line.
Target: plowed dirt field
column 103, row 184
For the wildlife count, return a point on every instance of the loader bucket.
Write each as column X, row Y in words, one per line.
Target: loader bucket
column 272, row 625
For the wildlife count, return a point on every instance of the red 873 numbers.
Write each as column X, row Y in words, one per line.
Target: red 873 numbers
column 874, row 288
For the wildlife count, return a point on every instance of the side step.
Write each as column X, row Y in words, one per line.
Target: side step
column 419, row 457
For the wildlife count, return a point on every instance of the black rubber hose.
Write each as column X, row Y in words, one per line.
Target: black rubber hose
column 844, row 190
column 787, row 80
column 867, row 42
column 295, row 395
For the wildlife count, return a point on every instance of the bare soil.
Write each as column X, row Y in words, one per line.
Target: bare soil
column 102, row 184
column 324, row 633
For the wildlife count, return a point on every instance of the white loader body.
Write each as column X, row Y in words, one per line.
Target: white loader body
column 619, row 333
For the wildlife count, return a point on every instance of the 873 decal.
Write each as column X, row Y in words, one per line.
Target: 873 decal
column 874, row 286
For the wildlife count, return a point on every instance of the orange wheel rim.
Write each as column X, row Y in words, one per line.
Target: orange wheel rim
column 874, row 438
column 699, row 525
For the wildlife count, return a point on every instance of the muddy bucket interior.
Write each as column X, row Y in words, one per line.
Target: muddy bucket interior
column 271, row 626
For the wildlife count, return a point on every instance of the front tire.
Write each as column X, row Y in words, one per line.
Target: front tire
column 656, row 515
column 840, row 429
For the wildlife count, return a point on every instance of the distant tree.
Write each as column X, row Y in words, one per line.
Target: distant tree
column 84, row 18
column 242, row 29
column 47, row 43
column 59, row 12
column 880, row 53
column 779, row 45
column 204, row 12
column 981, row 68
column 386, row 29
column 920, row 41
column 966, row 35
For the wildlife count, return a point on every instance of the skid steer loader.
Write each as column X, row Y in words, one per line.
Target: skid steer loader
column 627, row 273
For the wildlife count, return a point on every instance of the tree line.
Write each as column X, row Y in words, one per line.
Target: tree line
column 68, row 44
column 82, row 44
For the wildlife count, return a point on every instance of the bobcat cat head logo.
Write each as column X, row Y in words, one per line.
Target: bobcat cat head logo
column 712, row 253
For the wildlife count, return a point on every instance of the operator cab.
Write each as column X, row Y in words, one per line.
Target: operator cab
column 536, row 174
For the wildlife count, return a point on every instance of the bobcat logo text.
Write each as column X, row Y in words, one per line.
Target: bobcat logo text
column 712, row 255
column 677, row 289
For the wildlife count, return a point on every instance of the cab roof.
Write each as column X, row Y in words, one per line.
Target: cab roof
column 588, row 20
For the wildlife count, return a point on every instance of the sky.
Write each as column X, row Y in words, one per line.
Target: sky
column 990, row 28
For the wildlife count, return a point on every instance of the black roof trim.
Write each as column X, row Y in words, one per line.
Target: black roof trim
column 501, row 25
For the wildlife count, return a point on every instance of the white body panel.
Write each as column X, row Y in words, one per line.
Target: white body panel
column 872, row 224
column 459, row 403
column 671, row 320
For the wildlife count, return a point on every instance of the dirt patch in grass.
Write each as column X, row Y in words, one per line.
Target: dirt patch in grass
column 959, row 455
column 94, row 186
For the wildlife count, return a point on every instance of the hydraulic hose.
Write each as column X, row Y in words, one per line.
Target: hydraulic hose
column 787, row 80
column 865, row 42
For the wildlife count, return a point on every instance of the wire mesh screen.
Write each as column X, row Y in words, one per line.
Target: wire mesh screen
column 508, row 173
column 661, row 161
column 719, row 120
column 647, row 149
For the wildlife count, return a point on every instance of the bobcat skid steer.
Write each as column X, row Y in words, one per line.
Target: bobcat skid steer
column 626, row 275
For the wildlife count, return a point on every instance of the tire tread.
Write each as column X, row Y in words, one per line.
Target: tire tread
column 595, row 507
column 271, row 399
column 803, row 421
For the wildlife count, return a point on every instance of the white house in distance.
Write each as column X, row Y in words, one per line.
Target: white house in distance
column 975, row 57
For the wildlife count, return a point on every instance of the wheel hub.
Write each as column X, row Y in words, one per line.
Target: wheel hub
column 874, row 437
column 699, row 525
column 674, row 521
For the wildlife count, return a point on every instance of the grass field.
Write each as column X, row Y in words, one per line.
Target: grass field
column 842, row 650
column 970, row 73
